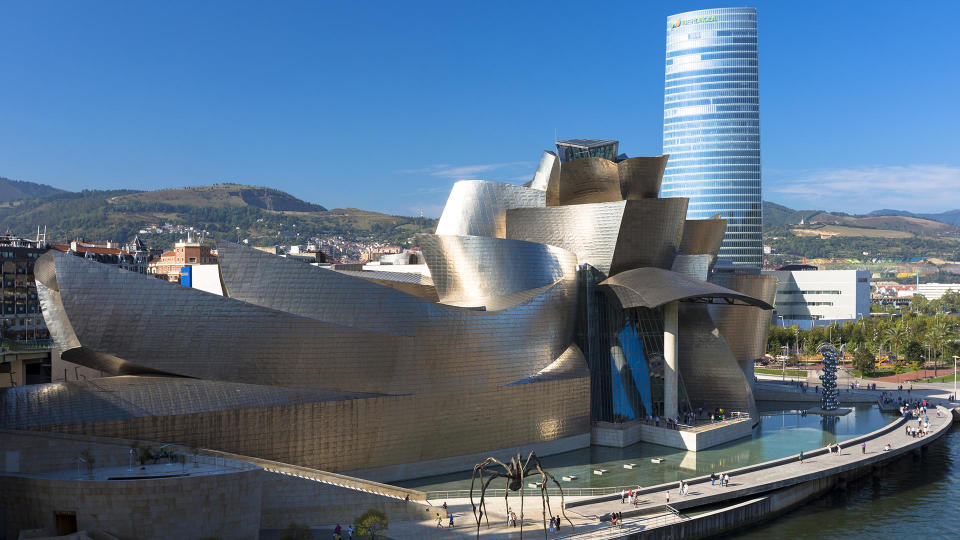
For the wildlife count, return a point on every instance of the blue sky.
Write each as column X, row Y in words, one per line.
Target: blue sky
column 383, row 105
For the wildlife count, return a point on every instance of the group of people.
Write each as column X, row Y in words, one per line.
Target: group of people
column 922, row 428
column 632, row 496
column 835, row 447
column 916, row 408
column 723, row 478
column 511, row 518
column 440, row 519
column 688, row 418
column 555, row 524
column 338, row 532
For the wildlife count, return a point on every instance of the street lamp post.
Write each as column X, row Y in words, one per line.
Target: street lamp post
column 783, row 374
column 955, row 376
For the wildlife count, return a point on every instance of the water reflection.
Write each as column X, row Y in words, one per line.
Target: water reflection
column 782, row 431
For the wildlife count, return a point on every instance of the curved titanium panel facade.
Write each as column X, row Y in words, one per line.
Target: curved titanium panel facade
column 548, row 171
column 703, row 236
column 474, row 268
column 650, row 234
column 609, row 236
column 640, row 177
column 745, row 328
column 654, row 287
column 711, row 123
column 589, row 180
column 178, row 330
column 708, row 369
column 695, row 266
column 476, row 207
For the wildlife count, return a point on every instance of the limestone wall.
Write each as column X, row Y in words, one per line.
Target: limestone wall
column 374, row 432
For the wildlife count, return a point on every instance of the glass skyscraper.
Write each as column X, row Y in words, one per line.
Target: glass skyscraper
column 711, row 124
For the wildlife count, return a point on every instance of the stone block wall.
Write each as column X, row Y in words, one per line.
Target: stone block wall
column 374, row 432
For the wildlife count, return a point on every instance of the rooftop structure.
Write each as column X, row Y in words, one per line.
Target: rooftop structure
column 572, row 149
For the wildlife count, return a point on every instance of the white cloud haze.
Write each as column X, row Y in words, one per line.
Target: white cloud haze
column 915, row 188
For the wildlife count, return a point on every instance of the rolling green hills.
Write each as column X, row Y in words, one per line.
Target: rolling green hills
column 265, row 216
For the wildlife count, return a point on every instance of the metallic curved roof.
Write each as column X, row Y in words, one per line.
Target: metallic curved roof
column 547, row 171
column 640, row 177
column 477, row 207
column 703, row 236
column 653, row 287
column 589, row 180
column 470, row 270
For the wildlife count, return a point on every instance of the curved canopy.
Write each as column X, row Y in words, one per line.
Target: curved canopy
column 652, row 287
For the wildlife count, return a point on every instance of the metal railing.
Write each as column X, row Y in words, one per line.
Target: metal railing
column 529, row 492
column 33, row 344
column 702, row 425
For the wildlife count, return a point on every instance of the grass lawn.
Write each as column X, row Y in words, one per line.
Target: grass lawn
column 790, row 372
column 942, row 378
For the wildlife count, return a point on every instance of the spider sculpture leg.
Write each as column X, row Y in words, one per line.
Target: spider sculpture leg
column 478, row 471
column 562, row 502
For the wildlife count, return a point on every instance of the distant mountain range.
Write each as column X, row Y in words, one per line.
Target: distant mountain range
column 950, row 216
column 942, row 224
column 266, row 216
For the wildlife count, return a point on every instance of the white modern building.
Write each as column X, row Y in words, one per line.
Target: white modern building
column 933, row 291
column 820, row 297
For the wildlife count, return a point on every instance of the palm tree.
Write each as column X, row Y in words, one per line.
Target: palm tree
column 938, row 335
column 896, row 334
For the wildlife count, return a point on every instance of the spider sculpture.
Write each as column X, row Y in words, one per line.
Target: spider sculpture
column 513, row 475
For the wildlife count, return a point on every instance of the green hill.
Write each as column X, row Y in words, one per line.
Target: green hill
column 17, row 190
column 265, row 216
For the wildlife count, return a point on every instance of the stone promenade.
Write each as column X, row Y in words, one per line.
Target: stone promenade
column 590, row 515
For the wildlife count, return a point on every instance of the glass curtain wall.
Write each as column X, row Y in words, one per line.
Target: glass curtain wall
column 711, row 124
column 624, row 350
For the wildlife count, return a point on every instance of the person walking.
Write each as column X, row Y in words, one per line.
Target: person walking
column 668, row 497
column 623, row 496
column 439, row 521
column 801, row 457
column 863, row 448
column 350, row 532
column 713, row 478
column 450, row 525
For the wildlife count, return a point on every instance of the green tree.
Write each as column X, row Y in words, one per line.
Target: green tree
column 938, row 335
column 920, row 304
column 864, row 360
column 895, row 334
column 370, row 523
column 913, row 353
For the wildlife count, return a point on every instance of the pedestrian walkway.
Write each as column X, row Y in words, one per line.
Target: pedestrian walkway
column 764, row 477
column 590, row 515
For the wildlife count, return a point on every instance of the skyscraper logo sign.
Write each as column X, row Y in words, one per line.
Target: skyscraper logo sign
column 683, row 22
